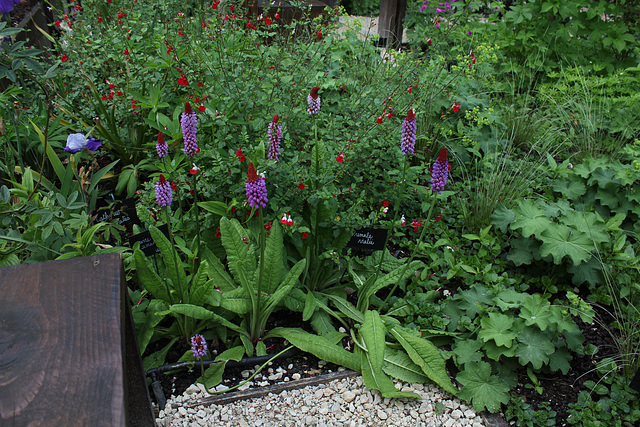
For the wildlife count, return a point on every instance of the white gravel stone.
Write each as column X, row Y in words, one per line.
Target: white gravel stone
column 345, row 402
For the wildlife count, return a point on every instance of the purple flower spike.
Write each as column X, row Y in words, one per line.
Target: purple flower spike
column 408, row 140
column 163, row 192
column 275, row 136
column 314, row 101
column 440, row 172
column 189, row 123
column 161, row 147
column 198, row 346
column 256, row 187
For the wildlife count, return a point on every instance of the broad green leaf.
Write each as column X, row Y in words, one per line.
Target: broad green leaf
column 426, row 355
column 218, row 208
column 235, row 301
column 172, row 261
column 201, row 313
column 238, row 250
column 467, row 351
column 559, row 241
column 523, row 250
column 534, row 348
column 318, row 346
column 309, row 306
column 157, row 359
column 233, row 353
column 213, row 374
column 288, row 282
column 345, row 308
column 148, row 278
column 502, row 217
column 372, row 332
column 483, row 390
column 273, row 268
column 399, row 275
column 497, row 327
column 530, row 217
column 219, row 274
column 559, row 360
column 322, row 323
column 535, row 311
column 398, row 364
column 569, row 188
column 376, row 379
column 589, row 223
column 201, row 288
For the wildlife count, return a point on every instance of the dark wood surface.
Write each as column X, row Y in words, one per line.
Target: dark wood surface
column 62, row 344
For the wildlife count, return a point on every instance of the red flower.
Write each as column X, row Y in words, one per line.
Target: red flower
column 233, row 209
column 267, row 21
column 416, row 224
column 194, row 170
column 232, row 8
column 340, row 158
column 126, row 51
column 455, row 107
column 251, row 26
column 439, row 217
column 301, row 186
column 319, row 34
column 199, row 84
column 174, row 186
column 385, row 203
column 277, row 16
column 240, row 155
column 305, row 234
column 215, row 4
column 379, row 121
column 63, row 57
column 110, row 95
column 104, row 97
column 119, row 93
column 409, row 89
column 429, row 40
column 183, row 80
column 268, row 226
column 217, row 233
column 201, row 107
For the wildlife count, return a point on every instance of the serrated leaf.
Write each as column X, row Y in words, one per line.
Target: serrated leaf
column 399, row 365
column 467, row 351
column 534, row 347
column 559, row 360
column 318, row 346
column 535, row 311
column 559, row 241
column 483, row 390
column 149, row 279
column 237, row 249
column 201, row 288
column 427, row 356
column 530, row 217
column 273, row 268
column 569, row 188
column 497, row 327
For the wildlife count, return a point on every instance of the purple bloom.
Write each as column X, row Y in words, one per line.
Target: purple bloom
column 408, row 139
column 163, row 192
column 161, row 147
column 314, row 101
column 256, row 188
column 275, row 136
column 77, row 141
column 198, row 346
column 189, row 123
column 440, row 172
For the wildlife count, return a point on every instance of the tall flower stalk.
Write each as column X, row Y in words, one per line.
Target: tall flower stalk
column 408, row 139
column 189, row 124
column 275, row 137
column 313, row 100
column 439, row 174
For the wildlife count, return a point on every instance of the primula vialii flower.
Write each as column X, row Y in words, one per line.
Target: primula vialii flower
column 198, row 346
column 161, row 147
column 275, row 136
column 314, row 101
column 256, row 188
column 440, row 172
column 77, row 141
column 163, row 192
column 189, row 123
column 408, row 139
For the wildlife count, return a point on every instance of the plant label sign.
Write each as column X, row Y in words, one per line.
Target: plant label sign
column 124, row 212
column 147, row 245
column 368, row 239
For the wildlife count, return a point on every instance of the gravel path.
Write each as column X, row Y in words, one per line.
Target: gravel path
column 341, row 402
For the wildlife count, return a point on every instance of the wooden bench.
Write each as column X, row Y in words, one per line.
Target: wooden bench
column 68, row 351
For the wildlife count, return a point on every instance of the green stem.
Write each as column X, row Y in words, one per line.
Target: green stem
column 256, row 327
column 414, row 252
column 173, row 252
column 196, row 262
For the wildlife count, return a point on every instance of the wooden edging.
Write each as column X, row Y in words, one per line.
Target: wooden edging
column 223, row 399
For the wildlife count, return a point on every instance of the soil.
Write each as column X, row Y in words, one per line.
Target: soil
column 21, row 10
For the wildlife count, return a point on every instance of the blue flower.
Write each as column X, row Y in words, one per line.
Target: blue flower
column 77, row 141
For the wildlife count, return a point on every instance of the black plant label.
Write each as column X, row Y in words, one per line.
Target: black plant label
column 123, row 211
column 147, row 245
column 368, row 239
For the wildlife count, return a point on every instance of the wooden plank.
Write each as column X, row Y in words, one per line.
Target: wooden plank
column 391, row 23
column 61, row 343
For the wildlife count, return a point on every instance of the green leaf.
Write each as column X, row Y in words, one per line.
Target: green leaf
column 157, row 359
column 530, row 217
column 483, row 390
column 309, row 306
column 535, row 311
column 426, row 355
column 234, row 353
column 273, row 268
column 288, row 282
column 560, row 241
column 213, row 374
column 318, row 346
column 173, row 264
column 201, row 313
column 502, row 218
column 148, row 278
column 467, row 351
column 497, row 327
column 218, row 208
column 534, row 348
column 376, row 379
column 569, row 188
column 399, row 365
column 372, row 332
column 239, row 251
column 345, row 308
column 201, row 288
column 559, row 360
column 523, row 250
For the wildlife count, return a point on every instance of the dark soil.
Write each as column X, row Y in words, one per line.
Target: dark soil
column 21, row 10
